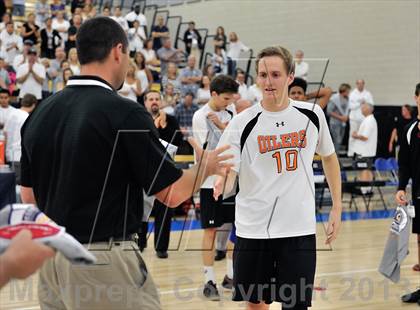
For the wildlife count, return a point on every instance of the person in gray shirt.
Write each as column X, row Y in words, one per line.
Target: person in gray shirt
column 338, row 111
column 168, row 54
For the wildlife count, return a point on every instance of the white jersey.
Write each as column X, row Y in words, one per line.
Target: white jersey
column 205, row 132
column 273, row 154
column 12, row 129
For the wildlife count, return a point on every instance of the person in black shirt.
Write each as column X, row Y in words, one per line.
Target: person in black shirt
column 169, row 131
column 192, row 38
column 50, row 40
column 30, row 30
column 159, row 32
column 401, row 122
column 87, row 155
column 409, row 168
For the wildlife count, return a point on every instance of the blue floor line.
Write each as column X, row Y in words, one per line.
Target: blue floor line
column 178, row 224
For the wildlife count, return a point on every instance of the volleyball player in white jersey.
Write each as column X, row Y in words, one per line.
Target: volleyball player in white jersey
column 273, row 144
column 208, row 125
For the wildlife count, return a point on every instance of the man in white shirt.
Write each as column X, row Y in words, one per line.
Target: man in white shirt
column 273, row 144
column 243, row 88
column 301, row 67
column 12, row 130
column 5, row 109
column 11, row 44
column 136, row 15
column 119, row 18
column 356, row 98
column 21, row 58
column 208, row 124
column 366, row 141
column 31, row 76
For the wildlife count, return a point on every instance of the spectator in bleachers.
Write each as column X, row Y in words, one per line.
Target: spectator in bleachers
column 19, row 7
column 209, row 71
column 136, row 15
column 89, row 11
column 4, row 75
column 234, row 52
column 184, row 113
column 77, row 4
column 400, row 123
column 159, row 32
column 50, row 40
column 31, row 76
column 219, row 61
column 120, row 19
column 220, row 38
column 72, row 32
column 5, row 19
column 55, row 67
column 6, row 110
column 143, row 74
column 132, row 87
column 172, row 78
column 64, row 78
column 301, row 67
column 57, row 6
column 168, row 54
column 61, row 25
column 338, row 111
column 190, row 77
column 243, row 90
column 48, row 81
column 136, row 37
column 12, row 130
column 30, row 31
column 297, row 91
column 106, row 11
column 357, row 97
column 74, row 61
column 203, row 93
column 23, row 57
column 366, row 141
column 42, row 11
column 152, row 63
column 170, row 99
column 11, row 43
column 192, row 39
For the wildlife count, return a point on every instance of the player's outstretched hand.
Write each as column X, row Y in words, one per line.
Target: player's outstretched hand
column 334, row 224
column 212, row 161
column 24, row 256
column 401, row 198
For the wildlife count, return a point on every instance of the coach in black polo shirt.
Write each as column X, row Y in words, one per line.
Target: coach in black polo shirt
column 87, row 154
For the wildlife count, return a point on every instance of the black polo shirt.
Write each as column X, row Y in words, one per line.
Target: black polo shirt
column 86, row 148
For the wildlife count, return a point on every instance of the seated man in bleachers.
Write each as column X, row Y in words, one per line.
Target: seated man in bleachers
column 366, row 140
column 190, row 77
column 168, row 54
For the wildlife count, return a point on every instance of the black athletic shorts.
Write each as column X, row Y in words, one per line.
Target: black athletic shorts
column 281, row 270
column 416, row 220
column 215, row 213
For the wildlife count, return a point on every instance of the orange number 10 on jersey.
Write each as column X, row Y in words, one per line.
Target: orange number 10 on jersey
column 291, row 157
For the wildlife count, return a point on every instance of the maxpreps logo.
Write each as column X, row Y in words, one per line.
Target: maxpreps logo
column 283, row 141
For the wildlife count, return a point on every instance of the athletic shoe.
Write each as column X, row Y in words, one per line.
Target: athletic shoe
column 220, row 255
column 227, row 283
column 412, row 297
column 162, row 254
column 210, row 291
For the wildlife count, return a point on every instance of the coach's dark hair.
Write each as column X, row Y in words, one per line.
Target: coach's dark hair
column 299, row 82
column 417, row 91
column 96, row 37
column 28, row 101
column 223, row 84
column 4, row 91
